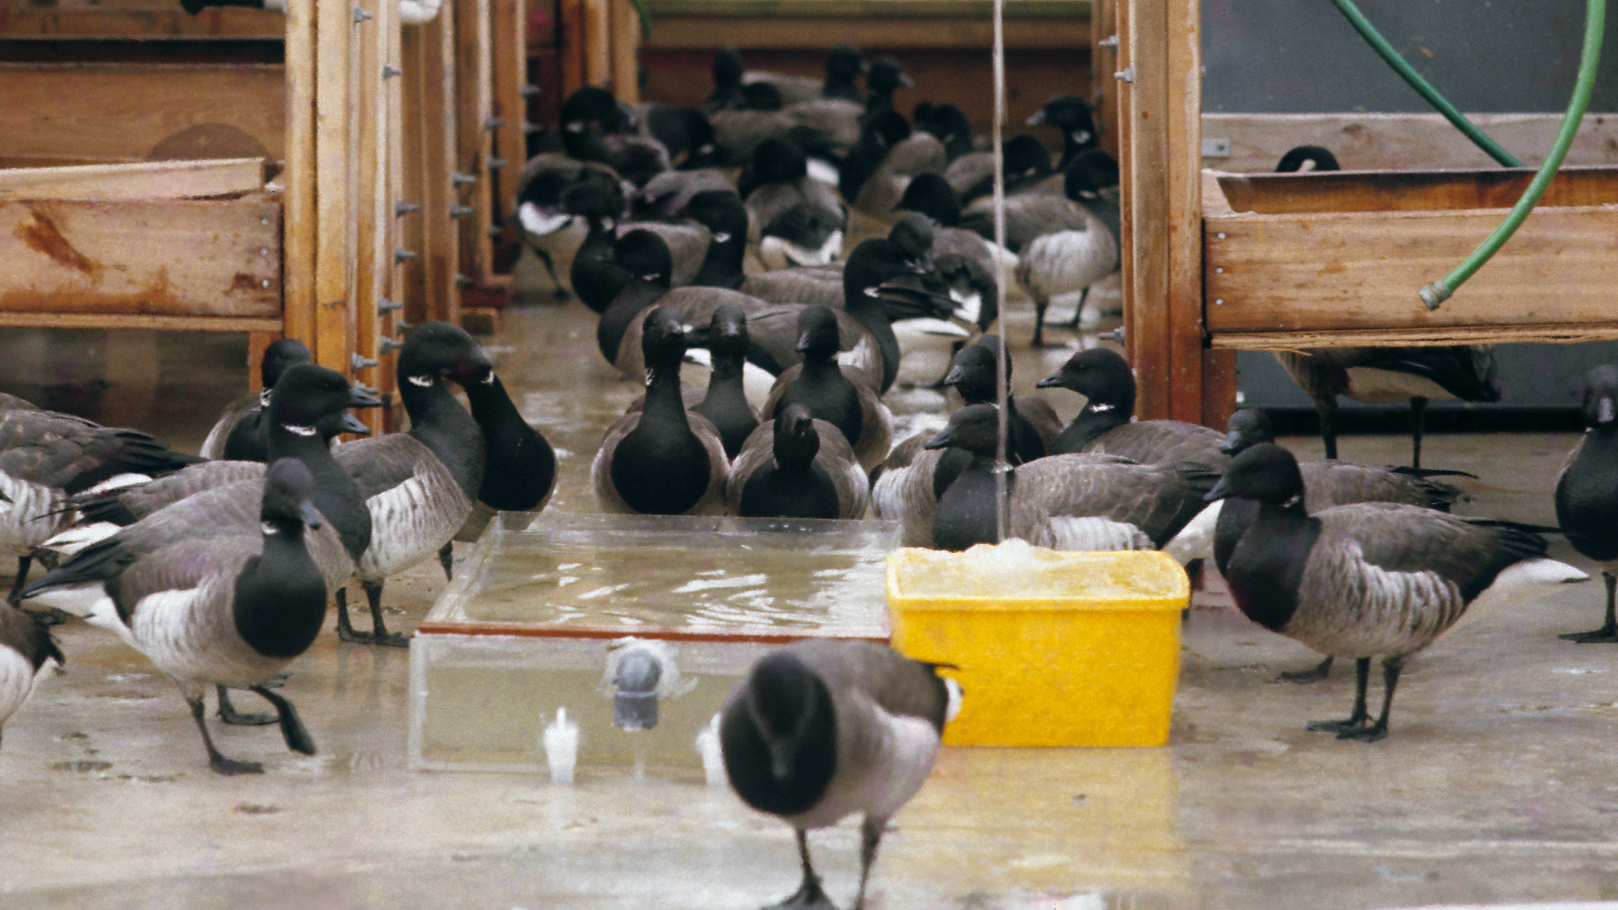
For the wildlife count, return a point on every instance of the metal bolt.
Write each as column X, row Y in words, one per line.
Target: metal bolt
column 389, row 71
column 1221, row 235
column 530, row 89
column 402, row 208
column 1127, row 74
column 401, row 326
column 496, row 230
column 384, row 305
column 400, row 254
column 528, row 127
column 389, row 345
column 461, row 281
column 374, row 393
column 361, row 363
column 1219, row 270
column 265, row 282
column 493, row 123
column 460, row 179
column 1111, row 41
column 495, row 164
column 360, row 15
column 457, row 211
column 1219, row 301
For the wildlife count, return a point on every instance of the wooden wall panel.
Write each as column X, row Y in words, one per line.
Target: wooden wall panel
column 154, row 258
column 82, row 112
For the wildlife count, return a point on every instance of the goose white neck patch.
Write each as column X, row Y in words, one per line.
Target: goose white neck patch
column 297, row 430
column 264, row 398
column 425, row 382
column 1100, row 407
column 269, row 528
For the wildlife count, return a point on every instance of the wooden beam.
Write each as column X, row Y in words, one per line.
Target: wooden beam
column 82, row 112
column 1401, row 141
column 786, row 32
column 334, row 153
column 474, row 80
column 298, row 176
column 267, row 325
column 1503, row 334
column 1162, row 206
column 144, row 180
column 22, row 21
column 164, row 257
column 1361, row 270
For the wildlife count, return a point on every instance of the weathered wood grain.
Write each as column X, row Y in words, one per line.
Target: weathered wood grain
column 143, row 180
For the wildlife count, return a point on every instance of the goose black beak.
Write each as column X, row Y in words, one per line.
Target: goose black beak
column 1219, row 491
column 942, row 441
column 1232, row 444
column 953, row 377
column 352, row 424
column 360, row 398
column 309, row 514
column 1052, row 381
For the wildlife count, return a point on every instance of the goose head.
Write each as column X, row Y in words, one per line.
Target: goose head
column 885, row 75
column 1265, row 473
column 288, row 486
column 913, row 235
column 439, row 350
column 1100, row 375
column 975, row 369
column 645, row 256
column 975, row 428
column 1307, row 158
column 312, row 400
column 663, row 338
column 721, row 212
column 1089, row 175
column 817, row 332
column 844, row 62
column 727, row 68
column 1246, row 428
column 1601, row 397
column 931, row 195
column 1070, row 114
column 725, row 334
column 280, row 354
column 795, row 438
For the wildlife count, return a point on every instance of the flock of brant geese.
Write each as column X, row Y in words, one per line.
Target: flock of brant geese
column 219, row 568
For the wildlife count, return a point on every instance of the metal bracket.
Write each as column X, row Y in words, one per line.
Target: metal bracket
column 385, row 306
column 1110, row 42
column 389, row 71
column 1127, row 74
column 362, row 15
column 360, row 362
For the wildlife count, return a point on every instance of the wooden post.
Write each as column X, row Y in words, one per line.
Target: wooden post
column 474, row 80
column 298, row 177
column 334, row 328
column 624, row 44
column 1103, row 63
column 1160, row 115
column 597, row 42
column 570, row 30
column 391, row 192
column 439, row 253
column 374, row 253
column 510, row 31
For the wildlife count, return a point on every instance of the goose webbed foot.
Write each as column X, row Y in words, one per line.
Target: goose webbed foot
column 379, row 634
column 228, row 713
column 1345, row 729
column 1607, row 633
column 809, row 895
column 1366, row 733
column 217, row 761
column 446, row 558
column 292, row 729
column 1303, row 677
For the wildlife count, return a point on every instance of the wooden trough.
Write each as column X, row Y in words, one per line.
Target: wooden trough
column 1310, row 260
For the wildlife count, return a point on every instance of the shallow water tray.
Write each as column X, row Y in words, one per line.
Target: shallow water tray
column 541, row 615
column 1051, row 648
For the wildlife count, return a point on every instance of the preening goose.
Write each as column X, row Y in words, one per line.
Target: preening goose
column 519, row 466
column 661, row 460
column 1325, row 484
column 1370, row 579
column 824, row 729
column 1064, row 502
column 546, row 225
column 795, row 219
column 1104, row 425
column 47, row 457
column 25, row 645
column 1374, row 374
column 228, row 610
column 797, row 467
column 1587, row 491
column 1383, row 374
column 1032, row 424
column 420, row 485
column 821, row 385
column 238, row 435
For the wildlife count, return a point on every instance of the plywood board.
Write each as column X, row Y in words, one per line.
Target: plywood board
column 83, row 111
column 1411, row 191
column 143, row 180
column 152, row 258
column 1361, row 271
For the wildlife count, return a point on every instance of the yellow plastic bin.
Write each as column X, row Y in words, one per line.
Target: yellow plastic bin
column 1054, row 648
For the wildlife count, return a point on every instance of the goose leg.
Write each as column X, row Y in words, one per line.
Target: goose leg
column 1327, row 407
column 561, row 293
column 1609, row 629
column 1078, row 311
column 1390, row 679
column 23, row 562
column 446, row 558
column 216, row 761
column 379, row 628
column 345, row 628
column 1418, row 422
column 809, row 895
column 228, row 713
column 292, row 729
column 870, row 836
column 1039, row 323
column 1313, row 674
column 1357, row 720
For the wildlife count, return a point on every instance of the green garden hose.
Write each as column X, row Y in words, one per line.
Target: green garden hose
column 1422, row 86
column 1439, row 291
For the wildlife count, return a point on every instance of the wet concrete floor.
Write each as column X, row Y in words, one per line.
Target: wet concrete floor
column 1495, row 786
